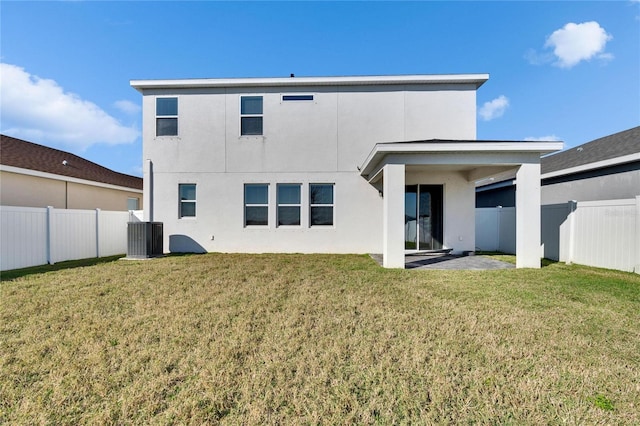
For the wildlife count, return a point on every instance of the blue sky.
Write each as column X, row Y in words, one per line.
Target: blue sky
column 565, row 71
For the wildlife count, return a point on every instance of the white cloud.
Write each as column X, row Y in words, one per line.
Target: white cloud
column 538, row 58
column 128, row 107
column 552, row 138
column 494, row 109
column 574, row 43
column 38, row 109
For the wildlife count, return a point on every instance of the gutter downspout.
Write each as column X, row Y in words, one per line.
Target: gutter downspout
column 147, row 191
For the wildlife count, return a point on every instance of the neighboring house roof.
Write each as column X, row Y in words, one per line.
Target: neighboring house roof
column 618, row 148
column 27, row 155
column 618, row 145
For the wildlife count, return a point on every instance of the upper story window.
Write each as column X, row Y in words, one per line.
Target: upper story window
column 256, row 204
column 321, row 203
column 166, row 116
column 187, row 194
column 288, row 204
column 250, row 115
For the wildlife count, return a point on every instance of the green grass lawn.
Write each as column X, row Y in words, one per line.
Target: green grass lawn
column 317, row 339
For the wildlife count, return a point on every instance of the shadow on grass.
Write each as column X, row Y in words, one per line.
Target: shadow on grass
column 182, row 254
column 510, row 258
column 548, row 262
column 70, row 264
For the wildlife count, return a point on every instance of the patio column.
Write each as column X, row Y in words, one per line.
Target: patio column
column 393, row 216
column 528, row 216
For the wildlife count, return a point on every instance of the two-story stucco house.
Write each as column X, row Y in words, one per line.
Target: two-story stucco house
column 376, row 164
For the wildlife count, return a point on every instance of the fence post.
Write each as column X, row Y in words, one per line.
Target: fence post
column 636, row 269
column 49, row 239
column 97, row 232
column 573, row 206
column 498, row 224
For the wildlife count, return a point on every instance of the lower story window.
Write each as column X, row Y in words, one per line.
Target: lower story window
column 288, row 204
column 321, row 203
column 256, row 204
column 187, row 194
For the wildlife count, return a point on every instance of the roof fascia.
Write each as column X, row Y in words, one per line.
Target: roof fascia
column 475, row 79
column 595, row 165
column 45, row 175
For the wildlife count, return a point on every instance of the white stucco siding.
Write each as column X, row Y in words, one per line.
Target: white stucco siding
column 441, row 112
column 298, row 136
column 334, row 132
column 357, row 209
column 367, row 115
column 407, row 113
column 220, row 214
column 200, row 143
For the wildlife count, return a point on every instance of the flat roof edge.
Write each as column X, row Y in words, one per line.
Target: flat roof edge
column 471, row 146
column 476, row 79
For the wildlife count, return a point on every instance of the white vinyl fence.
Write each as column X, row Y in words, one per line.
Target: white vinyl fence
column 604, row 234
column 37, row 236
column 496, row 229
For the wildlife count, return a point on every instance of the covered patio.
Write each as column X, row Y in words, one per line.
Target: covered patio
column 454, row 166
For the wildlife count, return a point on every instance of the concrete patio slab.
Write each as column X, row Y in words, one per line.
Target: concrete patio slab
column 449, row 261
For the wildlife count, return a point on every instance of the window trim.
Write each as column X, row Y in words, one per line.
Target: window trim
column 332, row 205
column 167, row 116
column 279, row 204
column 250, row 115
column 194, row 201
column 244, row 199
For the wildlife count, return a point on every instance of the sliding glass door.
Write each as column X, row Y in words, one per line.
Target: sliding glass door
column 423, row 217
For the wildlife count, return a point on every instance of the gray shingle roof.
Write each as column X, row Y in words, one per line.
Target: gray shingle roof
column 27, row 155
column 613, row 146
